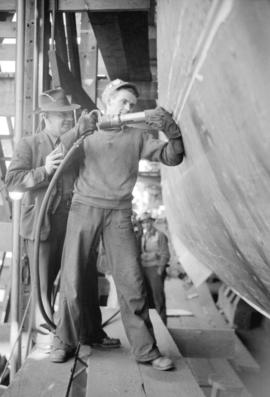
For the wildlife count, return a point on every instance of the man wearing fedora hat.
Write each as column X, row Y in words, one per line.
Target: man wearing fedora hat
column 35, row 160
column 102, row 208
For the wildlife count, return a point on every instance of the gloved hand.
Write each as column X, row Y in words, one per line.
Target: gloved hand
column 87, row 122
column 162, row 120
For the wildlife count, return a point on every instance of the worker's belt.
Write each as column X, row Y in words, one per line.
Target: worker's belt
column 63, row 205
column 66, row 203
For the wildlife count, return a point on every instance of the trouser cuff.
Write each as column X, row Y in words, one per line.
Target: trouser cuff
column 149, row 357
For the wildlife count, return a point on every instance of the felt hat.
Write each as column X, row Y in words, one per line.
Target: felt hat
column 55, row 100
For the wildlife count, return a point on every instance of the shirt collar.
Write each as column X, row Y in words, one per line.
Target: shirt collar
column 54, row 139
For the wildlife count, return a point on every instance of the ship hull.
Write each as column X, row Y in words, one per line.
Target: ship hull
column 214, row 75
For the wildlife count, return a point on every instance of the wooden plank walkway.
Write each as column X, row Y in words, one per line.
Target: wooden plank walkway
column 38, row 377
column 116, row 373
column 212, row 349
column 110, row 373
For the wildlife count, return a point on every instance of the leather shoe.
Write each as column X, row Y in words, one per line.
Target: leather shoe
column 162, row 363
column 60, row 355
column 107, row 342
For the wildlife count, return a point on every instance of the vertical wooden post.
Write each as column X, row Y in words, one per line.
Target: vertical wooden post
column 15, row 281
column 88, row 57
column 39, row 4
column 45, row 82
column 28, row 46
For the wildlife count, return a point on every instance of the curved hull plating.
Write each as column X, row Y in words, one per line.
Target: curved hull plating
column 214, row 74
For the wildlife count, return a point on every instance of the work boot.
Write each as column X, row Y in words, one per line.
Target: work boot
column 107, row 343
column 162, row 363
column 61, row 354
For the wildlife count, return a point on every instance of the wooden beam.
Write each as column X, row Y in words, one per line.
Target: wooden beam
column 8, row 5
column 60, row 38
column 7, row 29
column 102, row 5
column 73, row 87
column 224, row 381
column 206, row 343
column 123, row 41
column 44, row 65
column 39, row 376
column 109, row 40
column 88, row 57
column 90, row 5
column 29, row 31
column 140, row 380
column 72, row 45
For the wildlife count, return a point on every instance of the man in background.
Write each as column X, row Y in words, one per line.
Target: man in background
column 154, row 258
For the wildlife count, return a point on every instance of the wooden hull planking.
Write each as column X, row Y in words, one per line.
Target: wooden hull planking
column 214, row 74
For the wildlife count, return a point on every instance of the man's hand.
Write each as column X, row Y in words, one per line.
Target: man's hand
column 87, row 122
column 162, row 120
column 53, row 160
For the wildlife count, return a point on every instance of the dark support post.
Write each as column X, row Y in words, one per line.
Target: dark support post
column 60, row 37
column 44, row 65
column 73, row 51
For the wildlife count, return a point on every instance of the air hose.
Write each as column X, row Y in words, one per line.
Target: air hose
column 104, row 123
column 43, row 209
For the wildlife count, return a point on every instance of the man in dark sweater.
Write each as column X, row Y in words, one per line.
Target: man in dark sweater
column 101, row 207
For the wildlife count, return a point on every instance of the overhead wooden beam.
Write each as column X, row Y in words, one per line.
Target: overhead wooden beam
column 8, row 5
column 88, row 5
column 72, row 45
column 88, row 57
column 109, row 40
column 122, row 38
column 60, row 37
column 73, row 87
column 102, row 5
column 7, row 29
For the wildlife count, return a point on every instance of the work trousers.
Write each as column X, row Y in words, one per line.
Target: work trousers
column 50, row 253
column 86, row 224
column 155, row 288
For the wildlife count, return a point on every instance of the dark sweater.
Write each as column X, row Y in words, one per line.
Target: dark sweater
column 109, row 166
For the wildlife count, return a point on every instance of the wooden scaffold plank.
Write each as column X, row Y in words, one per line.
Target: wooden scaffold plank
column 116, row 373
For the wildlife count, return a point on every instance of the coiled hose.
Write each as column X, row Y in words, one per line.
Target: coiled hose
column 43, row 210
